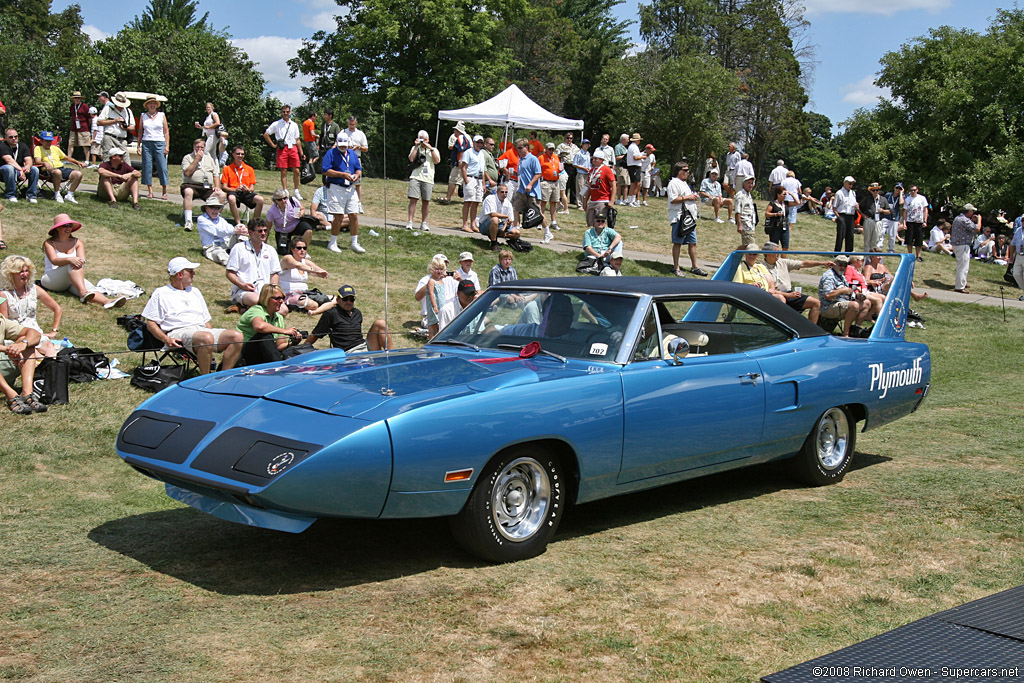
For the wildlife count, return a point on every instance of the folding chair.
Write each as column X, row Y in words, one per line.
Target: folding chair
column 44, row 175
column 142, row 340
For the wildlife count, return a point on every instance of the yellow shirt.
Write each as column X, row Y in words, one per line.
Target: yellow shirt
column 756, row 275
column 55, row 155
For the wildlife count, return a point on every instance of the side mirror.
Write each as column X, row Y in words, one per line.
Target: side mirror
column 678, row 348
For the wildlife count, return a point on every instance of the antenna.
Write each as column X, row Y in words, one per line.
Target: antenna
column 386, row 390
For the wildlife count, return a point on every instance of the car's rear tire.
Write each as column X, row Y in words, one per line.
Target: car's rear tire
column 515, row 507
column 828, row 450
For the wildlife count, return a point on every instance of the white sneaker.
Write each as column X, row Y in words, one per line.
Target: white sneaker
column 70, row 196
column 566, row 211
column 634, row 203
column 93, row 166
column 57, row 198
column 619, row 202
column 356, row 248
column 644, row 202
column 33, row 200
column 719, row 220
column 547, row 237
column 12, row 200
column 115, row 303
column 424, row 227
column 554, row 226
column 335, row 248
column 188, row 226
column 408, row 226
column 297, row 195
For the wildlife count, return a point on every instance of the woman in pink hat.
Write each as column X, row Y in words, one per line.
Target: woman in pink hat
column 64, row 255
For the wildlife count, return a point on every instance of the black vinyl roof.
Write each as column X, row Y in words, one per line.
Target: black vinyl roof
column 674, row 286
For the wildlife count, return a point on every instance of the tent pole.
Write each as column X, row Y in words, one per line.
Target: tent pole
column 436, row 133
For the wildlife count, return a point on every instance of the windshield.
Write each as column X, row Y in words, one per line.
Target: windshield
column 575, row 325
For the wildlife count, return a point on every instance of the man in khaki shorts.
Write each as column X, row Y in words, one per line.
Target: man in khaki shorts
column 20, row 351
column 176, row 314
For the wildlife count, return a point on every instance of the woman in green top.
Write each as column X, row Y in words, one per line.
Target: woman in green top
column 264, row 334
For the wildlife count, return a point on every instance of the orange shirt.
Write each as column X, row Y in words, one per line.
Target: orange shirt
column 308, row 131
column 513, row 163
column 231, row 177
column 550, row 167
column 537, row 147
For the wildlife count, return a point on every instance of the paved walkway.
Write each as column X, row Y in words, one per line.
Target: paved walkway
column 558, row 245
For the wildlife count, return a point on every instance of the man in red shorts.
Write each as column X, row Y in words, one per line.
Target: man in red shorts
column 289, row 154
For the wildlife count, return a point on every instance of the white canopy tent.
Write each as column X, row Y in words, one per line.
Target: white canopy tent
column 509, row 108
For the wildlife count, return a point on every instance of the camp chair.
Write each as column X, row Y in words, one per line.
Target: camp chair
column 44, row 175
column 142, row 340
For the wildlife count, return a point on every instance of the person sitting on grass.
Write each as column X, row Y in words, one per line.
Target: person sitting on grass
column 251, row 265
column 17, row 285
column 496, row 217
column 177, row 315
column 779, row 269
column 264, row 332
column 342, row 322
column 199, row 176
column 840, row 301
column 64, row 259
column 614, row 267
column 20, row 348
column 118, row 180
column 296, row 267
column 600, row 241
column 216, row 235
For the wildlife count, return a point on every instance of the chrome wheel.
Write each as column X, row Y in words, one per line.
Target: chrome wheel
column 520, row 499
column 832, row 439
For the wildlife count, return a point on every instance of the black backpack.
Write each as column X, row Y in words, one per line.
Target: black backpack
column 532, row 218
column 82, row 363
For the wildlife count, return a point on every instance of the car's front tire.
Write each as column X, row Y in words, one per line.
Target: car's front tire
column 515, row 507
column 828, row 450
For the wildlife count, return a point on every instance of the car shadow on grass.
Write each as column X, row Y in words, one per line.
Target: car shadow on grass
column 686, row 496
column 234, row 559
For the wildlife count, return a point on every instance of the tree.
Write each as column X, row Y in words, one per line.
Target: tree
column 752, row 39
column 193, row 66
column 412, row 57
column 178, row 13
column 678, row 104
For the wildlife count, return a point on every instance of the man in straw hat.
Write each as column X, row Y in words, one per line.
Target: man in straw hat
column 458, row 142
column 216, row 235
column 117, row 119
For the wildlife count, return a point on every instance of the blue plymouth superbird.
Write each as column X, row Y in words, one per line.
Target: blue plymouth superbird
column 541, row 393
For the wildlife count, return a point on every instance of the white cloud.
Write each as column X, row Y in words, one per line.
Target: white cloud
column 293, row 97
column 817, row 7
column 321, row 15
column 94, row 33
column 271, row 55
column 864, row 93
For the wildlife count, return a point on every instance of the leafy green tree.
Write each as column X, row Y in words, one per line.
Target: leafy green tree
column 179, row 13
column 678, row 104
column 190, row 67
column 413, row 57
column 751, row 39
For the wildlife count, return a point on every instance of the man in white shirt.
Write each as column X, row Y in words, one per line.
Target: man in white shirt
column 464, row 296
column 776, row 177
column 472, row 169
column 496, row 217
column 681, row 198
column 732, row 158
column 746, row 212
column 744, row 169
column 845, row 204
column 199, row 179
column 915, row 217
column 793, row 192
column 286, row 142
column 938, row 239
column 117, row 119
column 358, row 143
column 251, row 265
column 465, row 271
column 634, row 166
column 216, row 235
column 176, row 314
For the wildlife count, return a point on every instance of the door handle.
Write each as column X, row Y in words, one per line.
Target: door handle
column 752, row 376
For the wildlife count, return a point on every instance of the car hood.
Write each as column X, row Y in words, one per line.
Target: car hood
column 363, row 385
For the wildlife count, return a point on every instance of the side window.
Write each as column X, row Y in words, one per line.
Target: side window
column 648, row 346
column 715, row 327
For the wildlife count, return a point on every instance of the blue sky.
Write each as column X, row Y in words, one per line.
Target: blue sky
column 849, row 37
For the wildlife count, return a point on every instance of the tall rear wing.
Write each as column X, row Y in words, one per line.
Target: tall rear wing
column 892, row 319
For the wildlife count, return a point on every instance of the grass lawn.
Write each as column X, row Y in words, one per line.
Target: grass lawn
column 721, row 579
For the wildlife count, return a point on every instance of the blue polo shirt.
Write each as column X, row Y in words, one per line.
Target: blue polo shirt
column 529, row 166
column 346, row 163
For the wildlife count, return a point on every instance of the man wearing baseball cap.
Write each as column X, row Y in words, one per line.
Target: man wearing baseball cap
column 176, row 314
column 342, row 169
column 343, row 323
column 465, row 294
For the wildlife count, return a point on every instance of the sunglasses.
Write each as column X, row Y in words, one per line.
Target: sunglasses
column 299, row 248
column 348, row 298
column 277, row 298
column 260, row 231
